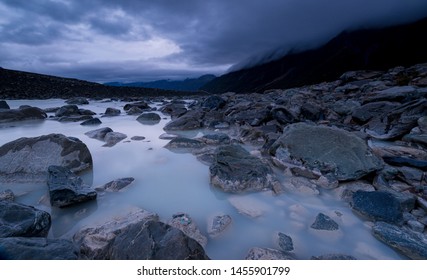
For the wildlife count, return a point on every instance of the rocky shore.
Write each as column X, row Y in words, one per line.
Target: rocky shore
column 362, row 138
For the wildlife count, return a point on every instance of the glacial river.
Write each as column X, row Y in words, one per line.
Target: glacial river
column 167, row 183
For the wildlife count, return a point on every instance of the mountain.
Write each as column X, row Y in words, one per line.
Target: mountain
column 372, row 49
column 25, row 85
column 184, row 85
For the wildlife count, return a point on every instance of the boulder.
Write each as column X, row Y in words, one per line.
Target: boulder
column 66, row 189
column 175, row 110
column 235, row 170
column 182, row 144
column 37, row 248
column 366, row 112
column 285, row 242
column 18, row 220
column 218, row 224
column 188, row 226
column 111, row 112
column 93, row 121
column 324, row 222
column 99, row 133
column 149, row 118
column 138, row 236
column 378, row 206
column 140, row 105
column 112, row 138
column 67, row 110
column 27, row 159
column 24, row 114
column 409, row 243
column 331, row 150
column 116, row 185
column 213, row 102
column 189, row 121
column 257, row 253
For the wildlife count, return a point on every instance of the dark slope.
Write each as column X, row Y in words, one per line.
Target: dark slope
column 26, row 85
column 184, row 85
column 376, row 49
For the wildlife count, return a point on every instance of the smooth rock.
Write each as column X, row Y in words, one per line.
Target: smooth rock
column 27, row 159
column 149, row 118
column 37, row 248
column 112, row 138
column 182, row 144
column 66, row 189
column 235, row 170
column 112, row 112
column 377, row 206
column 409, row 243
column 67, row 110
column 249, row 206
column 99, row 133
column 189, row 121
column 140, row 105
column 257, row 253
column 18, row 220
column 77, row 101
column 324, row 222
column 24, row 114
column 331, row 150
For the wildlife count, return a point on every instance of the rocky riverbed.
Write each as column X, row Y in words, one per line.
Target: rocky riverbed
column 328, row 171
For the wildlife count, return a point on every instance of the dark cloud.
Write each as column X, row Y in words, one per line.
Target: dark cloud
column 103, row 40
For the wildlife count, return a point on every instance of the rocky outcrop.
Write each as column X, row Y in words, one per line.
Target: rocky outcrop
column 66, row 189
column 37, row 248
column 27, row 159
column 235, row 170
column 18, row 220
column 138, row 236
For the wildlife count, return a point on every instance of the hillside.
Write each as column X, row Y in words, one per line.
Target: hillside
column 374, row 49
column 26, row 85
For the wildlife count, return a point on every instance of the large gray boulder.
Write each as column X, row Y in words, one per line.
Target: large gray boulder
column 235, row 170
column 407, row 242
column 36, row 248
column 27, row 159
column 22, row 114
column 189, row 121
column 331, row 150
column 139, row 235
column 66, row 189
column 18, row 220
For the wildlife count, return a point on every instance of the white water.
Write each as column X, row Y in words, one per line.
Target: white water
column 167, row 183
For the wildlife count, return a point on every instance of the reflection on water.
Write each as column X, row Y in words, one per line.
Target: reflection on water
column 167, row 183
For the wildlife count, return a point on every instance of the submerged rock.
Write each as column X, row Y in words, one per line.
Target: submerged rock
column 27, row 159
column 324, row 222
column 37, row 248
column 18, row 220
column 66, row 189
column 218, row 224
column 409, row 243
column 235, row 170
column 116, row 185
column 331, row 150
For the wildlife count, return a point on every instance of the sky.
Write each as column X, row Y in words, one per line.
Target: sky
column 145, row 40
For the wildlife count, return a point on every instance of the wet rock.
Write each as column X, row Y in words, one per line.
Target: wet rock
column 140, row 105
column 257, row 253
column 36, row 248
column 213, row 102
column 409, row 243
column 138, row 236
column 175, row 110
column 218, row 224
column 66, row 189
column 24, row 114
column 215, row 139
column 77, row 101
column 330, row 150
column 116, row 185
column 7, row 195
column 334, row 257
column 18, row 220
column 189, row 121
column 112, row 138
column 99, row 133
column 149, row 118
column 324, row 222
column 4, row 105
column 378, row 206
column 182, row 144
column 134, row 111
column 112, row 112
column 285, row 242
column 67, row 110
column 27, row 159
column 235, row 170
column 188, row 226
column 368, row 111
column 93, row 121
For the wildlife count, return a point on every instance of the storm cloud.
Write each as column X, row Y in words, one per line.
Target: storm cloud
column 134, row 40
